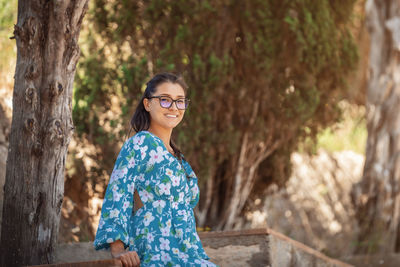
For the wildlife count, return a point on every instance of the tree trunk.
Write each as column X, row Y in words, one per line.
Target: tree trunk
column 377, row 196
column 47, row 53
column 237, row 182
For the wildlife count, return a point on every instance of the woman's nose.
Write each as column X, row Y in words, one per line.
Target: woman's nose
column 174, row 106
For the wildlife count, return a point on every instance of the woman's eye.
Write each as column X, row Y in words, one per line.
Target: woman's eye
column 166, row 100
column 180, row 101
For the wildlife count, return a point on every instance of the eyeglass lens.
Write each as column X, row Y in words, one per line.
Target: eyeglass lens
column 166, row 102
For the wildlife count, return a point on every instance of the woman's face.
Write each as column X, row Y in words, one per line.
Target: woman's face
column 166, row 118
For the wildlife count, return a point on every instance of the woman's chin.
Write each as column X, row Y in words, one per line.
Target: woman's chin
column 170, row 125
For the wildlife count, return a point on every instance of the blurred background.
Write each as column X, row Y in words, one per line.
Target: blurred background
column 276, row 130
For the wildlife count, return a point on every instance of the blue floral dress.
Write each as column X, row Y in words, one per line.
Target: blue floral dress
column 163, row 230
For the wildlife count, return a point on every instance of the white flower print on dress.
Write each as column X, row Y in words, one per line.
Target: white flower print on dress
column 155, row 257
column 176, row 180
column 181, row 195
column 175, row 250
column 140, row 177
column 195, row 190
column 178, row 233
column 101, row 223
column 186, row 188
column 164, row 188
column 125, row 205
column 148, row 218
column 183, row 214
column 187, row 243
column 159, row 203
column 150, row 237
column 156, row 156
column 115, row 188
column 165, row 257
column 146, row 196
column 131, row 163
column 114, row 176
column 122, row 172
column 164, row 243
column 169, row 172
column 165, row 231
column 114, row 213
column 183, row 256
column 116, row 196
column 143, row 152
column 138, row 142
column 131, row 187
column 201, row 262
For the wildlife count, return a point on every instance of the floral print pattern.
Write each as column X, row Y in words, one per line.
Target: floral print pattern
column 163, row 230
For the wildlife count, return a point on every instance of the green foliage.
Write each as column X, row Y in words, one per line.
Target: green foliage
column 7, row 14
column 350, row 133
column 353, row 139
column 288, row 57
column 8, row 17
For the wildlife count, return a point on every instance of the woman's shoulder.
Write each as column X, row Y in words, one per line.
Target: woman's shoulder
column 136, row 143
column 144, row 138
column 142, row 144
column 141, row 138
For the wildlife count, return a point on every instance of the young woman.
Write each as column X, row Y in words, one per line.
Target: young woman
column 149, row 201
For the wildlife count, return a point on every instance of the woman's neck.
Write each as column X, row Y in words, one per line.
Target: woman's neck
column 163, row 134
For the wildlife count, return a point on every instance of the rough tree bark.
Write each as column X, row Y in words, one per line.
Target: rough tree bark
column 47, row 53
column 377, row 196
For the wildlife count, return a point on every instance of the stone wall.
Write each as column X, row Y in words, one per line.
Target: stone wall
column 255, row 247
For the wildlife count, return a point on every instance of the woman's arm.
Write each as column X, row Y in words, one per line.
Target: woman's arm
column 118, row 201
column 116, row 248
column 128, row 258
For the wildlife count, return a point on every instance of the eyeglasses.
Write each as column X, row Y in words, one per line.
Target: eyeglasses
column 166, row 102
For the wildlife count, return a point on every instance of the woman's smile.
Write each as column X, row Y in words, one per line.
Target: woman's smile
column 171, row 116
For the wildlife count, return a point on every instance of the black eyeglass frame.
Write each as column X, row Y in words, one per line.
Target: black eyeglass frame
column 187, row 100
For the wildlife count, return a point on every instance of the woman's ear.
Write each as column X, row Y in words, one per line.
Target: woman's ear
column 146, row 104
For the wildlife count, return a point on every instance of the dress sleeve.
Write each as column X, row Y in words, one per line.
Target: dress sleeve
column 118, row 200
column 193, row 185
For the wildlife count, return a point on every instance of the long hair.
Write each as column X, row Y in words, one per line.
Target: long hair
column 141, row 118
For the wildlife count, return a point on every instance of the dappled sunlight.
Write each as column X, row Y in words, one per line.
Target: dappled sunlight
column 315, row 208
column 257, row 218
column 348, row 134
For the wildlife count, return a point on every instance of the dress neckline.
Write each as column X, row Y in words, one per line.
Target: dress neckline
column 162, row 142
